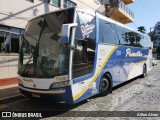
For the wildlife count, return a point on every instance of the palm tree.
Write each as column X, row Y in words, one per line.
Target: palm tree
column 142, row 29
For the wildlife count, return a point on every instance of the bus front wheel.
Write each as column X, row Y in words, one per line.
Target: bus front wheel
column 105, row 85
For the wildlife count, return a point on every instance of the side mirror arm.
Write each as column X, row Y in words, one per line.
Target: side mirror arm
column 66, row 31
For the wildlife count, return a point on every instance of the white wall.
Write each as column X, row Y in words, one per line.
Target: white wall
column 16, row 13
column 156, row 28
column 89, row 4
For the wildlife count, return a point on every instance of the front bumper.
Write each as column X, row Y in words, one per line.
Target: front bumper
column 42, row 92
column 53, row 95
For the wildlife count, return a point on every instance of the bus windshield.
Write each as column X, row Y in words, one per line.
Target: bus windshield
column 42, row 55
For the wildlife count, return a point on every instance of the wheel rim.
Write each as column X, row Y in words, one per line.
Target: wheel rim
column 105, row 84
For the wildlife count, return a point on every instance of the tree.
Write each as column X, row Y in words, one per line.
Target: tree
column 142, row 29
column 154, row 37
column 158, row 50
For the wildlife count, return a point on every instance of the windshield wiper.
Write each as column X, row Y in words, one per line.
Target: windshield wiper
column 43, row 26
column 24, row 72
column 27, row 65
column 35, row 54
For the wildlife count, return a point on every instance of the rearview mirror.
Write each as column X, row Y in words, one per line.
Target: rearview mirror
column 65, row 33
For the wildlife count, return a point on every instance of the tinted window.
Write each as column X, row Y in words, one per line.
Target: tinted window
column 55, row 2
column 123, row 35
column 145, row 41
column 114, row 34
column 130, row 38
column 45, row 55
column 68, row 3
column 107, row 32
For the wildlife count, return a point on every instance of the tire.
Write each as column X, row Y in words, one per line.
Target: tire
column 105, row 85
column 144, row 71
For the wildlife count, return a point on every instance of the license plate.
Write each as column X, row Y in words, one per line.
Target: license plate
column 35, row 95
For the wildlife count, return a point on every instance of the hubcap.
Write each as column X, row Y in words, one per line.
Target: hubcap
column 105, row 84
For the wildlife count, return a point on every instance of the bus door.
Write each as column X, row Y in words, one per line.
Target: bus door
column 84, row 51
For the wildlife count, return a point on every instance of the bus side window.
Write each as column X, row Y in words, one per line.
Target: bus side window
column 107, row 33
column 81, row 51
column 84, row 48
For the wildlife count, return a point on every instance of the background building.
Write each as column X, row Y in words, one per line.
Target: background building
column 14, row 14
column 118, row 10
column 157, row 28
column 156, row 32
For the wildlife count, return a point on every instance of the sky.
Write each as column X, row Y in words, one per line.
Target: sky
column 146, row 13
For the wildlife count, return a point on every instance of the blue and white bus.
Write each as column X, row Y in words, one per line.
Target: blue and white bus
column 73, row 54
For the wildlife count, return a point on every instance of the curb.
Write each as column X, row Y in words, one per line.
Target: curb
column 9, row 60
column 11, row 99
column 4, row 82
column 9, row 54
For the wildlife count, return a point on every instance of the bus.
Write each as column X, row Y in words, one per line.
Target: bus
column 73, row 54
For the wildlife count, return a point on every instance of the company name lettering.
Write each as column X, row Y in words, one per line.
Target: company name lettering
column 130, row 53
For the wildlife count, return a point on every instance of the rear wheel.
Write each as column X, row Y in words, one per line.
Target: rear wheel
column 105, row 85
column 144, row 71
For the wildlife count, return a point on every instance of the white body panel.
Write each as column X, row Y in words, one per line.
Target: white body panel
column 41, row 83
column 104, row 53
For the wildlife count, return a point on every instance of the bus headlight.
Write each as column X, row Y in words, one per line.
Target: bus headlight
column 60, row 84
column 20, row 82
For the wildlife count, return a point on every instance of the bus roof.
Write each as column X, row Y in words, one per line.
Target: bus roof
column 99, row 15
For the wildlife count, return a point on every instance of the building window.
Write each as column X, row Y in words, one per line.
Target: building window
column 9, row 39
column 30, row 0
column 55, row 2
column 68, row 3
column 48, row 1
